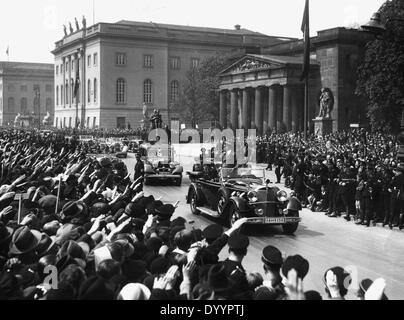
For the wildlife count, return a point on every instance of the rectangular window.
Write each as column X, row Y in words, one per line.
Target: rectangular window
column 175, row 63
column 88, row 122
column 148, row 61
column 94, row 122
column 120, row 59
column 95, row 59
column 64, row 122
column 194, row 63
column 89, row 61
column 11, row 87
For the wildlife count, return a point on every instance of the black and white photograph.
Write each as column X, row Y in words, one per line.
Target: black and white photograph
column 202, row 154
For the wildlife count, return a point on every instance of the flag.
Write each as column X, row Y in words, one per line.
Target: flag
column 77, row 81
column 306, row 40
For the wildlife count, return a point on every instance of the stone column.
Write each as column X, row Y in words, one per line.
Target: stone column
column 234, row 109
column 223, row 109
column 258, row 110
column 246, row 123
column 296, row 104
column 279, row 107
column 265, row 112
column 287, row 107
column 272, row 114
column 240, row 109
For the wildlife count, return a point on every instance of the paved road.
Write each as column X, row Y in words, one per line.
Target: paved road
column 325, row 242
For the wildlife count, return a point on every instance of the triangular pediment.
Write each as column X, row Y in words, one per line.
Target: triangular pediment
column 250, row 63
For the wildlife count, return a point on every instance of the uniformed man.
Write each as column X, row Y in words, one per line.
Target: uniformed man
column 397, row 198
column 139, row 169
column 272, row 260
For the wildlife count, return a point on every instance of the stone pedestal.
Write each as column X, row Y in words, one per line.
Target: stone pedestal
column 322, row 126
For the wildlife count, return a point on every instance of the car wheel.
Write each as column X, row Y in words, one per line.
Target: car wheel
column 233, row 214
column 291, row 227
column 193, row 202
column 178, row 181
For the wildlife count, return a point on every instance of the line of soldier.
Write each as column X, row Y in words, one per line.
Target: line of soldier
column 356, row 173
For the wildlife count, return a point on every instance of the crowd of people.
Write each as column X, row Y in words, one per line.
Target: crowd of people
column 76, row 228
column 355, row 174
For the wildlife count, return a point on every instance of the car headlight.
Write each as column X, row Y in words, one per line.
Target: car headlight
column 252, row 196
column 282, row 196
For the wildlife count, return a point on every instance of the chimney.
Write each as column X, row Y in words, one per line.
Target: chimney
column 237, row 27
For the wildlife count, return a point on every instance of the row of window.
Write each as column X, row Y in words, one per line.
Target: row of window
column 24, row 88
column 91, row 60
column 148, row 61
column 121, row 91
column 67, row 96
column 24, row 105
column 69, row 123
column 121, row 60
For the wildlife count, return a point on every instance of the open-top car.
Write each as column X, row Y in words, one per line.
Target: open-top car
column 159, row 167
column 234, row 193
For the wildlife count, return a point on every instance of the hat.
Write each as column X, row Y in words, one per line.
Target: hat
column 165, row 211
column 154, row 244
column 212, row 232
column 217, row 279
column 94, row 288
column 99, row 209
column 238, row 241
column 313, row 295
column 51, row 227
column 265, row 293
column 24, row 240
column 71, row 248
column 32, row 221
column 5, row 232
column 105, row 162
column 135, row 210
column 46, row 246
column 134, row 291
column 298, row 263
column 73, row 209
column 272, row 256
column 159, row 265
column 48, row 203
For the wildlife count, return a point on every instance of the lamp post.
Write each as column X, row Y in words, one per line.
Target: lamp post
column 376, row 27
column 38, row 100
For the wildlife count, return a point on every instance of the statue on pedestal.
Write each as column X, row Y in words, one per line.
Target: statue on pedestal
column 326, row 103
column 84, row 21
column 156, row 119
column 65, row 30
column 71, row 28
column 17, row 120
column 46, row 119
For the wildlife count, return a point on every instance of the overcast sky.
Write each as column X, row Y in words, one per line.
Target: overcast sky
column 31, row 27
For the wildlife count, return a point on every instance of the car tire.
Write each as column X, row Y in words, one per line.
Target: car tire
column 233, row 214
column 193, row 202
column 178, row 181
column 290, row 228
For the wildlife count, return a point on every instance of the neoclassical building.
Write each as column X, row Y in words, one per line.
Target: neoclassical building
column 264, row 90
column 26, row 89
column 125, row 65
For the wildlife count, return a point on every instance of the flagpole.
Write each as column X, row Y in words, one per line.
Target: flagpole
column 306, row 106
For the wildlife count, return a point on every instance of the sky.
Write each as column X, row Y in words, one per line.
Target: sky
column 30, row 28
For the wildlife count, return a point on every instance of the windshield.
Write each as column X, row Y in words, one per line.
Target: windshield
column 243, row 173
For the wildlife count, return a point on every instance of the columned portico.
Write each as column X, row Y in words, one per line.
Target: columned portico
column 269, row 92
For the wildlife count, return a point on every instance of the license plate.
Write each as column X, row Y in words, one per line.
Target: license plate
column 164, row 173
column 275, row 220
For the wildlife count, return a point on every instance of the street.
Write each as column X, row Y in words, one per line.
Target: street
column 325, row 242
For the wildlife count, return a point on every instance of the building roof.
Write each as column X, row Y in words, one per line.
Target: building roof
column 235, row 31
column 282, row 59
column 26, row 65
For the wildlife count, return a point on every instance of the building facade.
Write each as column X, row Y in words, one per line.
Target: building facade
column 127, row 66
column 265, row 92
column 26, row 89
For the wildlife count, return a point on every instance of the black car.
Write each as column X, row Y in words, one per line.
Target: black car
column 234, row 193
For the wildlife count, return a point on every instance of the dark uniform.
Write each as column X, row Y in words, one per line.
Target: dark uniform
column 139, row 170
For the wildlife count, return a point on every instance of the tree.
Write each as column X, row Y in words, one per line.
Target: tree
column 199, row 97
column 381, row 76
